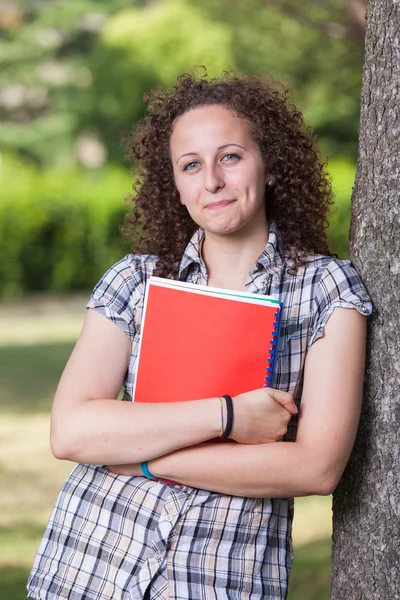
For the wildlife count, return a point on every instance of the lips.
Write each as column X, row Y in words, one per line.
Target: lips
column 219, row 204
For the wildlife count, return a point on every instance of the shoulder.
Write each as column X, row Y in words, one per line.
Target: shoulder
column 318, row 266
column 336, row 281
column 119, row 293
column 127, row 274
column 338, row 285
column 311, row 293
column 324, row 277
column 132, row 266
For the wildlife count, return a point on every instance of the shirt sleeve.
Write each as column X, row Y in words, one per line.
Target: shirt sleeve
column 339, row 286
column 113, row 298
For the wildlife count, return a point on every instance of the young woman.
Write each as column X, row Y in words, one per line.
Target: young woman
column 231, row 194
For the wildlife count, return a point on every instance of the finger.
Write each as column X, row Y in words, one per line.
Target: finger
column 285, row 399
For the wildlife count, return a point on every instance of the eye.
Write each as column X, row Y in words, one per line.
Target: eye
column 230, row 157
column 191, row 166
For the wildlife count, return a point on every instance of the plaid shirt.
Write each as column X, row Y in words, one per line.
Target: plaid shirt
column 112, row 537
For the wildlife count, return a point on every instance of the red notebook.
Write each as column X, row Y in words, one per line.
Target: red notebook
column 200, row 342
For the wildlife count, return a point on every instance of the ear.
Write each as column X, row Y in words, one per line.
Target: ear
column 269, row 180
column 181, row 201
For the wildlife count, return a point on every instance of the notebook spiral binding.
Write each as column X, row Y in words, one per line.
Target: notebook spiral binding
column 272, row 351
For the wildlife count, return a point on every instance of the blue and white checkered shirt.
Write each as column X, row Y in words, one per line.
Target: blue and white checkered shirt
column 112, row 537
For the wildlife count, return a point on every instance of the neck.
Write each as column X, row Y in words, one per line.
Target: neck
column 230, row 258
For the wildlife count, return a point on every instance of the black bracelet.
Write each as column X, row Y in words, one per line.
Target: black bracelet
column 229, row 417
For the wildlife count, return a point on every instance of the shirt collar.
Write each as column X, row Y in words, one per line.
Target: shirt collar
column 269, row 260
column 192, row 254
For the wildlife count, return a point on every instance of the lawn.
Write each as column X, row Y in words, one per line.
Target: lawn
column 30, row 477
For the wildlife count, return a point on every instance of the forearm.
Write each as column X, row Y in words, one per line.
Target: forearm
column 113, row 432
column 326, row 430
column 280, row 469
column 98, row 431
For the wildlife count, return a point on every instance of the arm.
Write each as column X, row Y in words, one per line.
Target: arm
column 89, row 426
column 327, row 426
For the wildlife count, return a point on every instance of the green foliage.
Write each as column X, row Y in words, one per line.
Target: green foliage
column 74, row 66
column 78, row 66
column 44, row 76
column 59, row 230
column 175, row 29
column 296, row 47
column 141, row 48
column 342, row 172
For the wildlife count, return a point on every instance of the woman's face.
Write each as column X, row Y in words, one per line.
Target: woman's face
column 219, row 171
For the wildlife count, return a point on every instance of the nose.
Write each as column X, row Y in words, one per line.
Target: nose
column 213, row 179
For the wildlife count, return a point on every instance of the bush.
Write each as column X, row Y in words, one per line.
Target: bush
column 59, row 230
column 342, row 172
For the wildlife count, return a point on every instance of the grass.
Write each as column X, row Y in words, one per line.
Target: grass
column 13, row 581
column 30, row 477
column 311, row 573
column 29, row 376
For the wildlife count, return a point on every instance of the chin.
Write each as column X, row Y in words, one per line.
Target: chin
column 222, row 230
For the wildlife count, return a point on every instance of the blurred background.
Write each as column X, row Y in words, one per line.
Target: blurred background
column 72, row 79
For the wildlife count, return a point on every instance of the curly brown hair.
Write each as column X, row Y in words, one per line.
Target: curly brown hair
column 298, row 203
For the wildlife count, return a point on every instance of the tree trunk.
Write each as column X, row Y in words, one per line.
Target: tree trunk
column 366, row 504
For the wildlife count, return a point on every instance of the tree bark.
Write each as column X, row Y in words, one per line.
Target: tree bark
column 366, row 504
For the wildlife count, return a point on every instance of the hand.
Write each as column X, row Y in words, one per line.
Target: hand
column 261, row 416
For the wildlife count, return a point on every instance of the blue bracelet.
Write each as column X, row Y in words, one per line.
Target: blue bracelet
column 145, row 470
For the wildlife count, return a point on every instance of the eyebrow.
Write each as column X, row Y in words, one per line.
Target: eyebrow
column 218, row 149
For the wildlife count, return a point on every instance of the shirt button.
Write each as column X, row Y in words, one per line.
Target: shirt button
column 157, row 554
column 184, row 488
column 169, row 518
